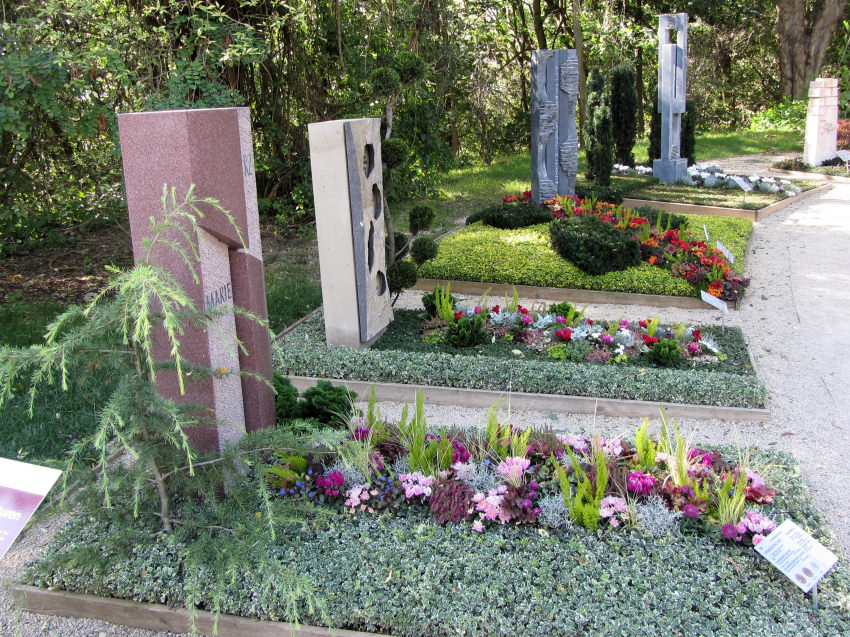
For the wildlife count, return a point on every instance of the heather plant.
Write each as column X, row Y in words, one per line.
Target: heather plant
column 429, row 301
column 645, row 448
column 503, row 439
column 451, row 501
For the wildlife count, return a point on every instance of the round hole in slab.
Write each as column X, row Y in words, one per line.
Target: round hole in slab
column 382, row 283
column 376, row 194
column 368, row 159
column 370, row 254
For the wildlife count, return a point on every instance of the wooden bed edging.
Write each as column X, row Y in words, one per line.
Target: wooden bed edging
column 720, row 211
column 798, row 174
column 41, row 601
column 477, row 288
column 482, row 399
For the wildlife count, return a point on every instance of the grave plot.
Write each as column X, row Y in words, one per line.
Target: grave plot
column 655, row 258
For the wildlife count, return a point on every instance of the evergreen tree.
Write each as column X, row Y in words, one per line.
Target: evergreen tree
column 689, row 129
column 654, row 150
column 598, row 135
column 623, row 113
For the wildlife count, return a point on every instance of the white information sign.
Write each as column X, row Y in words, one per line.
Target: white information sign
column 799, row 556
column 844, row 155
column 22, row 488
column 714, row 301
column 705, row 230
column 729, row 256
column 743, row 184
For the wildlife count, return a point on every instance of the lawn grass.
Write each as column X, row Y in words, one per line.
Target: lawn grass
column 293, row 289
column 525, row 257
column 23, row 323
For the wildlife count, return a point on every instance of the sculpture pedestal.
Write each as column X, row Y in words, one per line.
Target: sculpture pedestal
column 669, row 171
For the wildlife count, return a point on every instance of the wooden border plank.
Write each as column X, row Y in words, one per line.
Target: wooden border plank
column 691, row 208
column 482, row 398
column 31, row 599
column 477, row 288
column 797, row 174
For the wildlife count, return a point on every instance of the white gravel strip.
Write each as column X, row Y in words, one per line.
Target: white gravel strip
column 793, row 315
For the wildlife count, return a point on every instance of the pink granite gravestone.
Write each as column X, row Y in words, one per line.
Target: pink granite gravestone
column 212, row 149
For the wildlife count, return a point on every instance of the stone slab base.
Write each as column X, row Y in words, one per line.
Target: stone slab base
column 41, row 601
column 476, row 288
column 481, row 399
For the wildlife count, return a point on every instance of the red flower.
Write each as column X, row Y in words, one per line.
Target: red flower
column 649, row 340
column 495, row 309
column 589, row 322
column 458, row 315
column 527, row 194
column 565, row 333
column 521, row 309
column 696, row 334
column 642, row 324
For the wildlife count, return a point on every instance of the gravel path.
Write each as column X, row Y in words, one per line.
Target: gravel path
column 792, row 316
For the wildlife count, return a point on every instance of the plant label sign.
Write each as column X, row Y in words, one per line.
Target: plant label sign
column 743, row 184
column 844, row 155
column 729, row 256
column 799, row 556
column 22, row 488
column 714, row 301
column 705, row 230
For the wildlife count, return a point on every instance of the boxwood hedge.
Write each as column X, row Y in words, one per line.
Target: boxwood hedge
column 524, row 257
column 304, row 353
column 407, row 576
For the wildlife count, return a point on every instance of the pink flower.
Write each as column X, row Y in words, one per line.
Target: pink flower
column 478, row 526
column 693, row 348
column 640, row 483
column 512, row 468
column 757, row 538
column 477, row 309
column 527, row 319
column 560, row 319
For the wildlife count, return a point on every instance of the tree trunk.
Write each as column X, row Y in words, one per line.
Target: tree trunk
column 537, row 16
column 803, row 38
column 641, row 126
column 578, row 39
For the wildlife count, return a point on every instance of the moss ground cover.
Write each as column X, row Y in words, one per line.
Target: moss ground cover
column 525, row 257
column 304, row 353
column 408, row 576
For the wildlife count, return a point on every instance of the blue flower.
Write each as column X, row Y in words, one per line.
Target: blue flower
column 299, row 484
column 309, row 472
column 283, row 492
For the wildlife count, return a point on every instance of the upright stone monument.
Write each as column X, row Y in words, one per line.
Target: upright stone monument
column 821, row 121
column 345, row 159
column 554, row 139
column 672, row 82
column 212, row 150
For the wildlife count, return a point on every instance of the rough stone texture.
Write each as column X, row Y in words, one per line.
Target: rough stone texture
column 345, row 159
column 554, row 139
column 672, row 84
column 821, row 121
column 212, row 150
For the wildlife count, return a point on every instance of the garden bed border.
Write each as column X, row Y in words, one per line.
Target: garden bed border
column 719, row 211
column 477, row 288
column 484, row 398
column 812, row 176
column 41, row 601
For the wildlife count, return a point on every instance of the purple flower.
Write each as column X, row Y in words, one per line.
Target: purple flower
column 730, row 532
column 640, row 483
column 607, row 339
column 361, row 433
column 527, row 319
column 477, row 309
column 690, row 511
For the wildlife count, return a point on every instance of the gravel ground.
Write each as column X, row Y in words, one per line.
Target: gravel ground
column 791, row 316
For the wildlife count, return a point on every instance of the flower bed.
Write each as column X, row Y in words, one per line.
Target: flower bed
column 304, row 353
column 514, row 536
column 525, row 257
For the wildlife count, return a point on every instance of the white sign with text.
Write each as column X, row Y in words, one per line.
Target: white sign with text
column 743, row 184
column 22, row 488
column 729, row 256
column 797, row 555
column 714, row 301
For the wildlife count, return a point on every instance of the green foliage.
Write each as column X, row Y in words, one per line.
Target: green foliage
column 598, row 133
column 286, row 398
column 511, row 215
column 402, row 246
column 623, row 112
column 654, row 149
column 423, row 249
column 789, row 114
column 302, row 353
column 593, row 245
column 610, row 194
column 645, row 447
column 661, row 219
column 584, row 508
column 401, row 275
column 560, row 309
column 665, row 353
column 394, row 152
column 688, row 132
column 446, row 299
column 502, row 439
column 410, row 66
column 574, row 351
column 384, row 82
column 466, row 332
column 732, row 498
column 329, row 403
column 420, row 218
column 430, row 456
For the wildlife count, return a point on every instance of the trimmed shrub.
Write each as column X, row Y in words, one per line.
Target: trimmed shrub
column 401, row 275
column 560, row 309
column 329, row 403
column 689, row 131
column 665, row 353
column 394, row 152
column 409, row 65
column 593, row 245
column 286, row 398
column 623, row 113
column 385, row 82
column 598, row 133
column 609, row 194
column 423, row 249
column 401, row 239
column 420, row 218
column 509, row 216
column 654, row 151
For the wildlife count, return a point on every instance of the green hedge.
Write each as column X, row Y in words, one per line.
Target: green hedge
column 407, row 576
column 524, row 257
column 304, row 353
